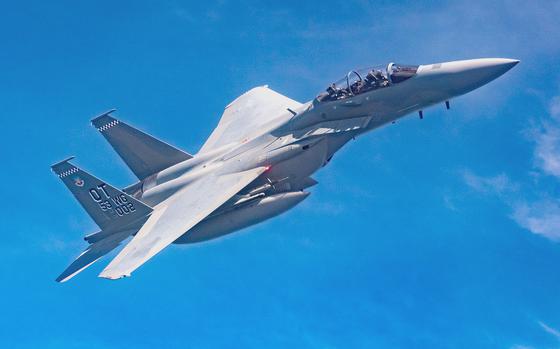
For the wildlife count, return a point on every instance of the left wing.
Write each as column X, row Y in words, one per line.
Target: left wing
column 175, row 216
column 246, row 115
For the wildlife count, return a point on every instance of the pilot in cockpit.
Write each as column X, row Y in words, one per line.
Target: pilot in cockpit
column 375, row 79
column 357, row 87
column 331, row 94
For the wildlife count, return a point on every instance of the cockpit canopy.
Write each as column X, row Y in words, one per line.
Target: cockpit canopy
column 367, row 79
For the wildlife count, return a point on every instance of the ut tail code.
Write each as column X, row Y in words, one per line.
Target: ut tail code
column 118, row 204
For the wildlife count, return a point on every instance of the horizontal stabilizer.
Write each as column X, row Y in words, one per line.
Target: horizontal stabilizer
column 110, row 208
column 144, row 154
column 103, row 234
column 93, row 253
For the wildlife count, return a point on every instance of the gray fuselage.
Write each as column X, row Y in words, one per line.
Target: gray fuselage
column 297, row 143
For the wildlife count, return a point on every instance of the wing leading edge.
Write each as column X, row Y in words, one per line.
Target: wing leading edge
column 247, row 114
column 175, row 216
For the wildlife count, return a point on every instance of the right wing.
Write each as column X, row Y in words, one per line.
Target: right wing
column 144, row 154
column 244, row 117
column 175, row 216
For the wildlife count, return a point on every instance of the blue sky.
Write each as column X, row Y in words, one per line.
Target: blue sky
column 440, row 233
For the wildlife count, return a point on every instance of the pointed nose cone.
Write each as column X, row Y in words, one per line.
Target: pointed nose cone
column 460, row 77
column 507, row 63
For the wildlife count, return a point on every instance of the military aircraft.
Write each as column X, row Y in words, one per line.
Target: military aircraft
column 255, row 165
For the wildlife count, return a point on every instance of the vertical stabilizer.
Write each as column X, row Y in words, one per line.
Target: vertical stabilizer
column 109, row 207
column 144, row 154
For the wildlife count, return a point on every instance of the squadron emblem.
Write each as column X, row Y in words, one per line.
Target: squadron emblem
column 79, row 182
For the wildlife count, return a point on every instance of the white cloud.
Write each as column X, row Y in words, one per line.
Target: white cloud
column 550, row 330
column 539, row 217
column 442, row 32
column 542, row 216
column 448, row 202
column 547, row 328
column 547, row 150
column 547, row 141
column 499, row 184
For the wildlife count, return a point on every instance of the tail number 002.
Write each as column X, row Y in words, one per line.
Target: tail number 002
column 119, row 203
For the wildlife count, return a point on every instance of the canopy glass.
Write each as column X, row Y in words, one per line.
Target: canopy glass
column 367, row 79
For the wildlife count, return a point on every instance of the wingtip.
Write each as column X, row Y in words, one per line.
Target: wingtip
column 112, row 276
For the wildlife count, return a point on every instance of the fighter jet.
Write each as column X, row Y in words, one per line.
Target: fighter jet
column 256, row 164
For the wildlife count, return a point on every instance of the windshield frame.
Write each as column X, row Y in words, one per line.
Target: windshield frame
column 359, row 81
